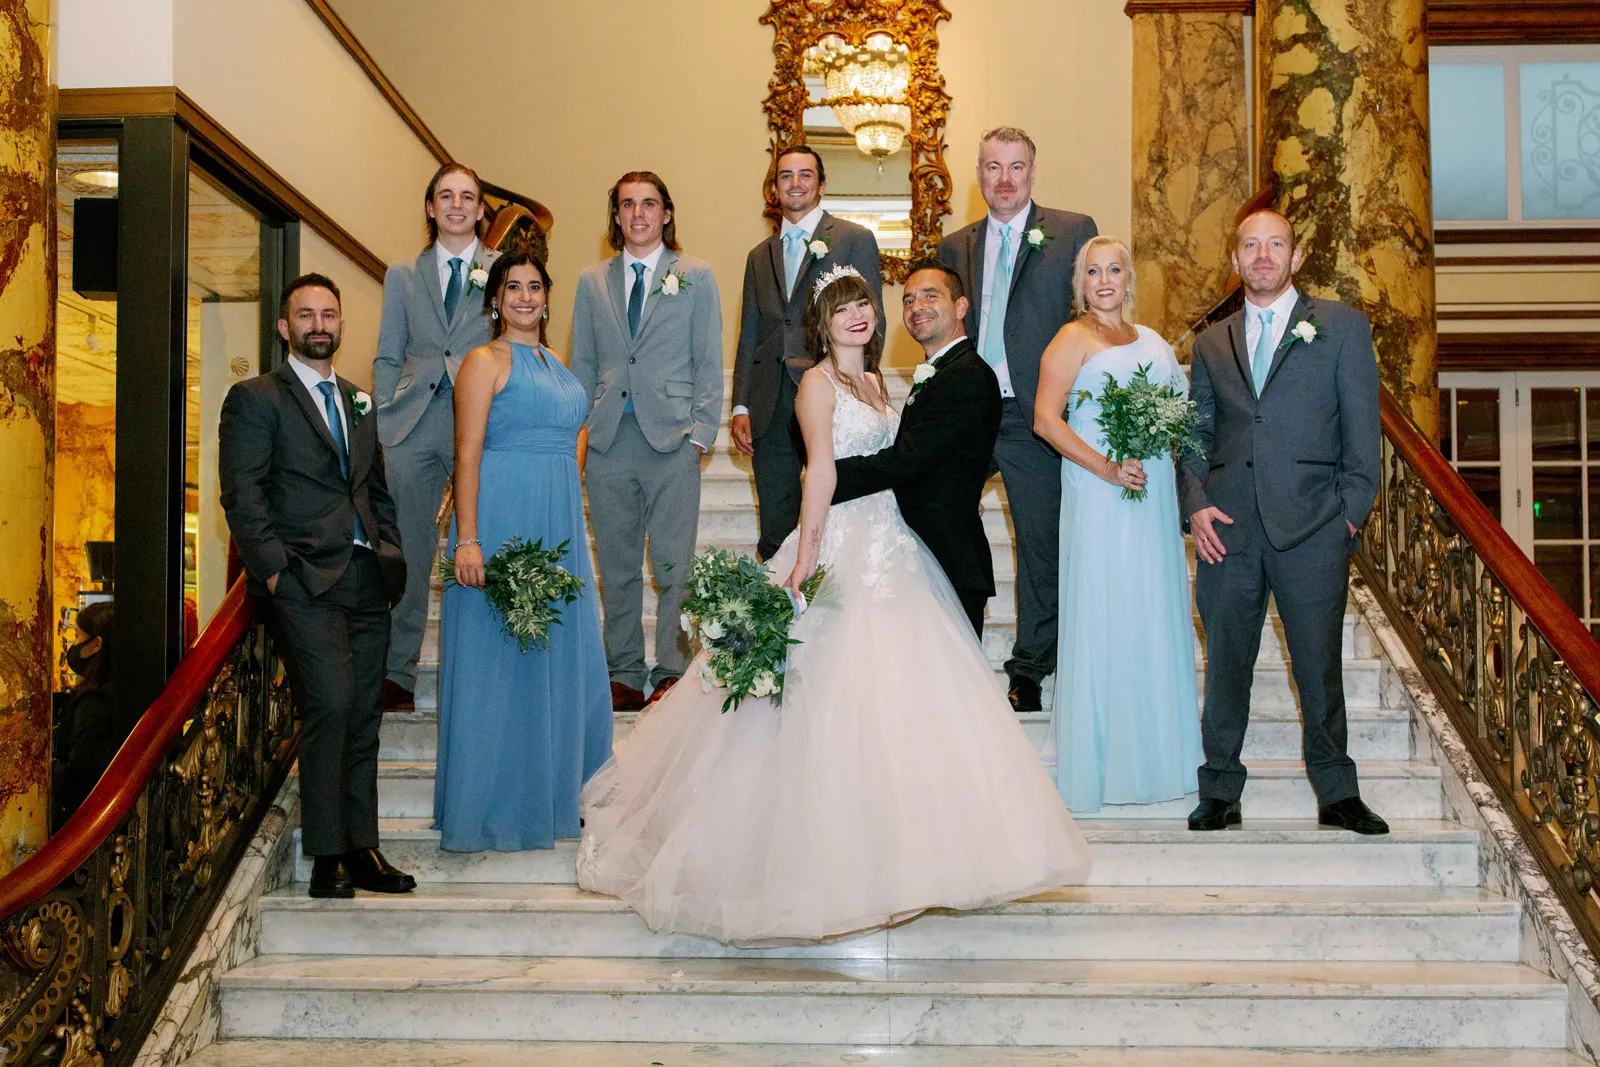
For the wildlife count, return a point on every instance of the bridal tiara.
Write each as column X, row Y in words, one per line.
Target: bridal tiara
column 843, row 270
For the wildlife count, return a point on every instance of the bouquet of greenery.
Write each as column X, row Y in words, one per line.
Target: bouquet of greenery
column 525, row 585
column 742, row 619
column 1142, row 420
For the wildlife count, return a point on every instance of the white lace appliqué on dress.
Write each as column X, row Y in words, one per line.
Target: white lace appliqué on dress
column 859, row 429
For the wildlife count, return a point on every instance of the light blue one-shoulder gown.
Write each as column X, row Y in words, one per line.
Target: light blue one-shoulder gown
column 1126, row 715
column 520, row 732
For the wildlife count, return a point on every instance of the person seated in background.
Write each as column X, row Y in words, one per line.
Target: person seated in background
column 89, row 722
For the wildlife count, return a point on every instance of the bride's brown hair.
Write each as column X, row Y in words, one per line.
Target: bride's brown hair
column 819, row 316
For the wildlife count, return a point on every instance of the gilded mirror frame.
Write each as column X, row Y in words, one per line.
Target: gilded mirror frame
column 797, row 25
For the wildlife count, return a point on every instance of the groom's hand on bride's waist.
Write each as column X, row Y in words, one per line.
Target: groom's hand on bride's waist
column 1207, row 545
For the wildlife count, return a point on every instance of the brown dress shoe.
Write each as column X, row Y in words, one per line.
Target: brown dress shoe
column 625, row 697
column 397, row 698
column 661, row 690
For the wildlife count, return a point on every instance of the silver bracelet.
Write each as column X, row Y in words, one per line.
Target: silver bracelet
column 473, row 541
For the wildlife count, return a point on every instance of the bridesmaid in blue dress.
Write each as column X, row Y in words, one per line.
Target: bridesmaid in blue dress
column 519, row 732
column 1127, row 722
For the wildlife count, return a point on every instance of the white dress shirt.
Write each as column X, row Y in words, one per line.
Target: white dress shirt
column 443, row 256
column 991, row 256
column 1282, row 311
column 650, row 262
column 807, row 226
column 958, row 339
column 313, row 382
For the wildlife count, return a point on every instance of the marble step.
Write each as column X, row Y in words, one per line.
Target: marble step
column 1275, row 790
column 932, row 1002
column 262, row 1052
column 1127, row 852
column 1178, row 923
column 1375, row 733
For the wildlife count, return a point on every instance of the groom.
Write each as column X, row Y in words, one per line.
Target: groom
column 940, row 456
column 1287, row 391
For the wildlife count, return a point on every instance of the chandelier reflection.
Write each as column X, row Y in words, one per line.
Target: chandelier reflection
column 866, row 88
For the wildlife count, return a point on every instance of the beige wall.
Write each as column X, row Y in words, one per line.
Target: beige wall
column 566, row 116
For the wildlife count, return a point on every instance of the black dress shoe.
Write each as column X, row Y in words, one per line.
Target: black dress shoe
column 1213, row 814
column 1352, row 814
column 330, row 879
column 1025, row 694
column 370, row 871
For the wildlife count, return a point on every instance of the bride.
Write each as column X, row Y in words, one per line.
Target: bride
column 894, row 776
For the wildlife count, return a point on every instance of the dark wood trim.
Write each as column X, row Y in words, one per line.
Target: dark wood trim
column 1516, row 261
column 169, row 101
column 1519, row 351
column 1189, row 7
column 1513, row 21
column 1522, row 235
column 1517, row 315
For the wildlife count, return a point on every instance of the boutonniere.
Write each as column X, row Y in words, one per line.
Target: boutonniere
column 672, row 283
column 1036, row 237
column 360, row 404
column 819, row 246
column 477, row 277
column 1305, row 330
column 921, row 377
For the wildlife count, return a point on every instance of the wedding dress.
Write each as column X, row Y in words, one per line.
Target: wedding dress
column 893, row 778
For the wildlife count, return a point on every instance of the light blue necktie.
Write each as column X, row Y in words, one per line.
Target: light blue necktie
column 452, row 291
column 1261, row 360
column 794, row 254
column 336, row 427
column 636, row 300
column 994, row 323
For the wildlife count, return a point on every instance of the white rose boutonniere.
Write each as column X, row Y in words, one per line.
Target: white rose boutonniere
column 1305, row 330
column 921, row 377
column 819, row 247
column 478, row 277
column 360, row 404
column 672, row 283
column 1036, row 237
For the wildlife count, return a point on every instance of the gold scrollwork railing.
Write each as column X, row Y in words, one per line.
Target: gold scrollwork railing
column 1515, row 669
column 99, row 924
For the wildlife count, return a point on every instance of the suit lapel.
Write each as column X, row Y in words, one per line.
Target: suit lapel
column 313, row 411
column 428, row 277
column 1025, row 251
column 668, row 260
column 619, row 299
column 1236, row 340
column 1302, row 312
column 360, row 453
column 775, row 255
column 975, row 249
column 810, row 263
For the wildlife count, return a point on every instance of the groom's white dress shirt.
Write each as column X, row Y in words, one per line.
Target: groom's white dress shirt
column 1282, row 310
column 991, row 256
column 958, row 339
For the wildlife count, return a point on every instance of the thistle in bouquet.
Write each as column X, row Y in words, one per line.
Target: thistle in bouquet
column 742, row 618
column 1144, row 419
column 526, row 585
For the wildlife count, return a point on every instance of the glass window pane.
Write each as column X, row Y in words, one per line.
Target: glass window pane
column 1478, row 424
column 1555, row 423
column 1594, row 505
column 1467, row 104
column 86, row 385
column 1562, row 567
column 1560, row 130
column 1594, row 581
column 1592, row 401
column 1446, row 423
column 1485, row 485
column 1557, row 505
column 224, row 322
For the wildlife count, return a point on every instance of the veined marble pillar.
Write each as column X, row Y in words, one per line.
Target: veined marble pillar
column 27, row 418
column 1191, row 156
column 1344, row 136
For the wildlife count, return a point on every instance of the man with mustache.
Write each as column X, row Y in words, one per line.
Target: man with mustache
column 1016, row 266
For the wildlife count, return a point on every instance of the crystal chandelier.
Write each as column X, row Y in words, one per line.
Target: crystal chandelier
column 866, row 88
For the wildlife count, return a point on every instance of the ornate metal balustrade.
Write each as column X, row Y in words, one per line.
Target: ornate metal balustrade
column 100, row 922
column 1516, row 670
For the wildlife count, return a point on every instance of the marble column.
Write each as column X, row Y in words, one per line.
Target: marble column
column 1344, row 139
column 27, row 418
column 1191, row 157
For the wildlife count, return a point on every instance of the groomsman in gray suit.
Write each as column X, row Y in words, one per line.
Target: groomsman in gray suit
column 433, row 315
column 1016, row 264
column 1287, row 390
column 771, row 357
column 647, row 345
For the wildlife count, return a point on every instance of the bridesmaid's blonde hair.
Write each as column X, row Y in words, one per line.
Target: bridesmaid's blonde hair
column 1081, row 267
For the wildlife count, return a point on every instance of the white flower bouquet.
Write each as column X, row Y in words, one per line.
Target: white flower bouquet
column 525, row 584
column 1142, row 420
column 742, row 619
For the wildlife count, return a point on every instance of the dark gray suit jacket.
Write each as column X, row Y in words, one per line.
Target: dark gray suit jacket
column 1308, row 449
column 1041, row 288
column 772, row 326
column 288, row 505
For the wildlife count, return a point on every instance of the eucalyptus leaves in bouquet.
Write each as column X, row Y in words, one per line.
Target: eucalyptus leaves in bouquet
column 526, row 586
column 1143, row 420
column 742, row 619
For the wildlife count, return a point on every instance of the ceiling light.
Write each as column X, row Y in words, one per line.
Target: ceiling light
column 105, row 179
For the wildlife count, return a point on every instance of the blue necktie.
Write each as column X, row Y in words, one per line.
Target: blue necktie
column 994, row 323
column 452, row 291
column 636, row 300
column 1261, row 360
column 336, row 427
column 794, row 254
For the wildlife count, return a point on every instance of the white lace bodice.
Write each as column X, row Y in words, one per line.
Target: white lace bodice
column 859, row 429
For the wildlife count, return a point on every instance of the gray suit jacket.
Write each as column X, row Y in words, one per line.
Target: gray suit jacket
column 416, row 346
column 772, row 326
column 672, row 370
column 1307, row 450
column 1041, row 288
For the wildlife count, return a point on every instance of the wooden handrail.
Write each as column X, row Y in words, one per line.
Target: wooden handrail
column 124, row 780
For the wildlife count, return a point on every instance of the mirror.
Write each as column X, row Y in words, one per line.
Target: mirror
column 859, row 81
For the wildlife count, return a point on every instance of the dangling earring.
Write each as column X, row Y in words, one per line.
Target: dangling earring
column 494, row 311
column 546, row 314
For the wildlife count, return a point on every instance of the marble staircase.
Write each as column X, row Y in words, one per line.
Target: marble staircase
column 1275, row 943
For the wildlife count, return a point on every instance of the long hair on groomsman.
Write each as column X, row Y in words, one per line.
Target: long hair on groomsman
column 500, row 269
column 669, row 232
column 433, row 187
column 819, row 315
column 1081, row 267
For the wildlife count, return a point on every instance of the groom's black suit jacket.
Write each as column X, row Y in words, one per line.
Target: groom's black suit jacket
column 938, row 464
